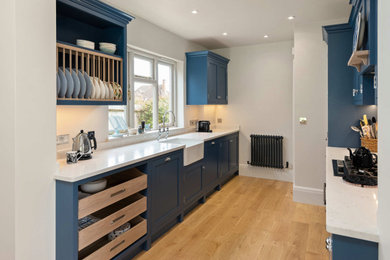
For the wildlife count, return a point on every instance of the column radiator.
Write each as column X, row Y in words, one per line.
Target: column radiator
column 267, row 151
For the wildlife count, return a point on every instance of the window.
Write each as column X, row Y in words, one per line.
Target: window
column 152, row 88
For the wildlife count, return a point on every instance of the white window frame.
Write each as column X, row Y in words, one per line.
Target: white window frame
column 130, row 117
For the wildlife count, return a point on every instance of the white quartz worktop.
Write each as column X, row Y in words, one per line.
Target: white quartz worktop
column 111, row 159
column 350, row 209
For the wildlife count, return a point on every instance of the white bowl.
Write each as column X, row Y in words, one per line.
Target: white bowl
column 85, row 44
column 94, row 186
column 107, row 50
column 107, row 44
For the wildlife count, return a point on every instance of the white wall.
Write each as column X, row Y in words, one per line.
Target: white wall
column 310, row 99
column 260, row 99
column 384, row 128
column 7, row 130
column 28, row 130
column 145, row 35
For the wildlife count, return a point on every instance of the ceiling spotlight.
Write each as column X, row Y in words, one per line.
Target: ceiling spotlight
column 224, row 34
column 291, row 17
column 194, row 11
column 266, row 36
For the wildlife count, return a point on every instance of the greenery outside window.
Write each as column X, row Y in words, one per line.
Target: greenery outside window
column 151, row 93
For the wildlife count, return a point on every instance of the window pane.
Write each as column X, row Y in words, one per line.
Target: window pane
column 117, row 124
column 143, row 104
column 143, row 67
column 164, row 91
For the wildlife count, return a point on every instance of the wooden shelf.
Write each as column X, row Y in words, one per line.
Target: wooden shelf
column 90, row 99
column 359, row 58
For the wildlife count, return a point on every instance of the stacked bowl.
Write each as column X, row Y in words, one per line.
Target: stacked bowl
column 106, row 47
column 85, row 44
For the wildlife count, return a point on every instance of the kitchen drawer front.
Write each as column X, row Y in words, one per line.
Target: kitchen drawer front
column 109, row 196
column 116, row 246
column 111, row 222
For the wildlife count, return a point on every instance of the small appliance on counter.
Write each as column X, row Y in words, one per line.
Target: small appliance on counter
column 204, row 126
column 82, row 144
column 359, row 168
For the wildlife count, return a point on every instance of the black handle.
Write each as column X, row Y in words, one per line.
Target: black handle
column 91, row 136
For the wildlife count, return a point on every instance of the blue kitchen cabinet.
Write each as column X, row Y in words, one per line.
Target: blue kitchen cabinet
column 223, row 158
column 206, row 78
column 94, row 21
column 347, row 248
column 192, row 180
column 210, row 172
column 233, row 153
column 165, row 192
column 364, row 93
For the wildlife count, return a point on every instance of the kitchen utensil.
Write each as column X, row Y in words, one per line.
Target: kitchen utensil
column 89, row 85
column 362, row 26
column 69, row 83
column 111, row 90
column 82, row 144
column 76, row 81
column 362, row 158
column 96, row 87
column 354, row 128
column 94, row 186
column 63, row 84
column 103, row 91
column 83, row 84
column 204, row 126
column 85, row 44
column 119, row 231
column 72, row 157
column 107, row 47
column 365, row 120
column 366, row 131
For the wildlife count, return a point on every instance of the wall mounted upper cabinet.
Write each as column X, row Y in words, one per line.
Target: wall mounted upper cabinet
column 90, row 73
column 206, row 78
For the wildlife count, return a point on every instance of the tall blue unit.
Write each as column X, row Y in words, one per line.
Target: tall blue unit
column 206, row 78
column 352, row 90
column 94, row 21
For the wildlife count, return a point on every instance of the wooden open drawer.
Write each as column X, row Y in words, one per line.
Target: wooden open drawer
column 104, row 249
column 131, row 181
column 111, row 218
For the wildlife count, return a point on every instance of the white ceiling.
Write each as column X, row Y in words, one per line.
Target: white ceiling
column 245, row 21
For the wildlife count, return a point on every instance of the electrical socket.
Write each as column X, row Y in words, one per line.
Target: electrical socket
column 193, row 122
column 219, row 120
column 62, row 139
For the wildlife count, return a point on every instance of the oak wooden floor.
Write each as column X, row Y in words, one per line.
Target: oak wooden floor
column 249, row 218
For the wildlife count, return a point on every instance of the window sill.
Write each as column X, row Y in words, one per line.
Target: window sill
column 139, row 138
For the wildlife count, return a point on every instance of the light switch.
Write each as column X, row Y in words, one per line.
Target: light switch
column 303, row 120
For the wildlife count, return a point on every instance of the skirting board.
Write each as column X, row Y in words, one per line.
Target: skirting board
column 308, row 195
column 266, row 173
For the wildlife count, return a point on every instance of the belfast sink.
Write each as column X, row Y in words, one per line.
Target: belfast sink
column 193, row 151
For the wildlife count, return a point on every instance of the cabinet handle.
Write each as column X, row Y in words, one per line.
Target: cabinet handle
column 117, row 193
column 231, row 141
column 203, row 167
column 114, row 247
column 328, row 244
column 219, row 97
column 167, row 159
column 118, row 218
column 212, row 142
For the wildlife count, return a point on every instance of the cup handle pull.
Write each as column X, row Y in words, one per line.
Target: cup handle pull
column 118, row 192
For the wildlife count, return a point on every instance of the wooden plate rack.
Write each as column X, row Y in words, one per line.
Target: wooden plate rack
column 106, row 67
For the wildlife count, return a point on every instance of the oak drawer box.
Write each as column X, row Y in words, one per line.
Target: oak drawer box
column 104, row 249
column 111, row 218
column 135, row 182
